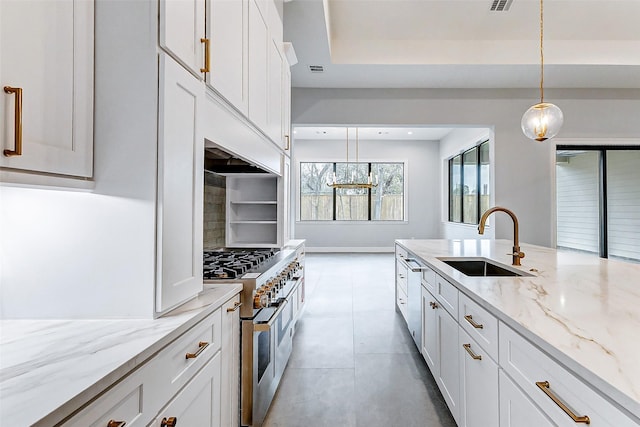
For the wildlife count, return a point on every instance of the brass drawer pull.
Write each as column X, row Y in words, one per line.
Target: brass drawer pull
column 433, row 304
column 169, row 422
column 544, row 386
column 207, row 59
column 113, row 423
column 471, row 353
column 236, row 305
column 17, row 132
column 288, row 142
column 476, row 325
column 202, row 345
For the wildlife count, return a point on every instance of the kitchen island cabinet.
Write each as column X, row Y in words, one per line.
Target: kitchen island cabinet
column 569, row 324
column 79, row 373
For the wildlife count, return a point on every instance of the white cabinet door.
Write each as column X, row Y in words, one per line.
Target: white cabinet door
column 448, row 360
column 275, row 111
column 286, row 197
column 47, row 53
column 180, row 186
column 230, row 361
column 286, row 108
column 429, row 331
column 478, row 385
column 198, row 404
column 516, row 410
column 227, row 24
column 182, row 30
column 258, row 67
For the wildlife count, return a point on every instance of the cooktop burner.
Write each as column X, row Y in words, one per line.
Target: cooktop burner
column 231, row 264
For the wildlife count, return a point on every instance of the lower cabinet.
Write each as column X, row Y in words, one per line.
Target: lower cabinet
column 516, row 410
column 198, row 403
column 478, row 385
column 194, row 380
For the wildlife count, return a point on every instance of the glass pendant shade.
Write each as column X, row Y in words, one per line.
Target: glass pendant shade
column 542, row 121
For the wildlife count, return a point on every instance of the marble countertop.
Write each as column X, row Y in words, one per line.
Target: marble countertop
column 49, row 368
column 582, row 310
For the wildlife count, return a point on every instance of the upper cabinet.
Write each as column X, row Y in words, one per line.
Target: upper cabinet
column 182, row 33
column 227, row 28
column 46, row 72
column 258, row 67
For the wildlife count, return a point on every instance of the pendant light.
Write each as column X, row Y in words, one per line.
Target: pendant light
column 350, row 182
column 543, row 120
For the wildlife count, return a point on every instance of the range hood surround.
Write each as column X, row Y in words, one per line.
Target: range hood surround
column 221, row 160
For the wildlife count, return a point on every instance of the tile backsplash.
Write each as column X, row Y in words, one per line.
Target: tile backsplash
column 215, row 189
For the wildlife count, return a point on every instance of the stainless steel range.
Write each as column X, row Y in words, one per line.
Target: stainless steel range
column 272, row 283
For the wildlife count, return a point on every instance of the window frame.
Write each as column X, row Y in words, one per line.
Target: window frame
column 478, row 179
column 370, row 209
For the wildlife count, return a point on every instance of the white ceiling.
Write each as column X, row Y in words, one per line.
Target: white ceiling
column 371, row 133
column 462, row 44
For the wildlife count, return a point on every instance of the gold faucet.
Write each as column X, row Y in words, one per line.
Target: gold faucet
column 516, row 254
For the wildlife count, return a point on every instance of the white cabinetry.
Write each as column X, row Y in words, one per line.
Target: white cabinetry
column 47, row 58
column 516, row 409
column 258, row 67
column 478, row 385
column 253, row 214
column 227, row 24
column 401, row 282
column 440, row 348
column 184, row 380
column 180, row 185
column 230, row 361
column 182, row 32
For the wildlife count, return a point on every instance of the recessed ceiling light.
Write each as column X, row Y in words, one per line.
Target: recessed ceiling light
column 410, row 133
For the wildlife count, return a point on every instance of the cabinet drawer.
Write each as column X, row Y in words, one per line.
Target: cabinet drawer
column 477, row 322
column 401, row 276
column 429, row 279
column 128, row 401
column 516, row 409
column 177, row 369
column 198, row 404
column 447, row 295
column 401, row 301
column 401, row 252
column 528, row 365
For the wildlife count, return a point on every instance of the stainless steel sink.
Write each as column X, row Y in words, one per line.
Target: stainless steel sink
column 482, row 267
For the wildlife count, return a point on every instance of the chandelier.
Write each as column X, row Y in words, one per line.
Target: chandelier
column 350, row 180
column 542, row 120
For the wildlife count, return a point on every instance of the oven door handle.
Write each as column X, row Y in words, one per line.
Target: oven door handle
column 261, row 327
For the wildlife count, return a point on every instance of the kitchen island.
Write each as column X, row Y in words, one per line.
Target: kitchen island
column 581, row 311
column 49, row 369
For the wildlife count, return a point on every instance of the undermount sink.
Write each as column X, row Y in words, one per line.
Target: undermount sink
column 481, row 267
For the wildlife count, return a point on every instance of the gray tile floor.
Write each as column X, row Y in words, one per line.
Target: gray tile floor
column 353, row 360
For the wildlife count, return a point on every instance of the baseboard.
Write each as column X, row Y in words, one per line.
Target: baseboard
column 342, row 249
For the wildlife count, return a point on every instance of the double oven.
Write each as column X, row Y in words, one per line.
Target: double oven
column 273, row 291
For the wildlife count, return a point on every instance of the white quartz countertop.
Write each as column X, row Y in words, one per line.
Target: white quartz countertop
column 49, row 368
column 582, row 310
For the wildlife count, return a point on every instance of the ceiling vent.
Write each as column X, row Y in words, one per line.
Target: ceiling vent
column 500, row 5
column 316, row 68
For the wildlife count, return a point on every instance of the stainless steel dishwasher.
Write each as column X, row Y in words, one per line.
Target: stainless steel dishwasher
column 414, row 297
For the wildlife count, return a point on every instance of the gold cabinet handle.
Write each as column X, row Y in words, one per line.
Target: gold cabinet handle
column 17, row 148
column 288, row 142
column 433, row 304
column 207, row 59
column 169, row 422
column 201, row 346
column 113, row 423
column 476, row 325
column 236, row 305
column 471, row 353
column 544, row 386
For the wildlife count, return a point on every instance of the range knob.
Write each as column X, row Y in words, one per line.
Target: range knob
column 261, row 299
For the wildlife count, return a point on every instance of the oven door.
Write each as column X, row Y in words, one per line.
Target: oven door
column 260, row 354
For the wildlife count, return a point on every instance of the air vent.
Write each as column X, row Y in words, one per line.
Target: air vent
column 500, row 5
column 316, row 68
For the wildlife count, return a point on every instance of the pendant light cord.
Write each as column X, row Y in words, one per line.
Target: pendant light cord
column 541, row 53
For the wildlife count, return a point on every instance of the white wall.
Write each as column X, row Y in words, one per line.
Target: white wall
column 73, row 254
column 421, row 159
column 523, row 168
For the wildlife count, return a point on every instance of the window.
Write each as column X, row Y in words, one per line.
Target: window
column 469, row 184
column 319, row 202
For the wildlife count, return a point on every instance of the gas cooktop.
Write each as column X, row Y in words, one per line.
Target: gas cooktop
column 234, row 263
